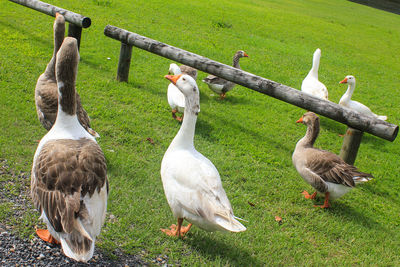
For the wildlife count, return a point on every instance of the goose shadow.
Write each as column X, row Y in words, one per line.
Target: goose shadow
column 333, row 126
column 215, row 249
column 347, row 213
column 381, row 193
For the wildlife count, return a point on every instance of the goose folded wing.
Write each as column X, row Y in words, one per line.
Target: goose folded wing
column 66, row 171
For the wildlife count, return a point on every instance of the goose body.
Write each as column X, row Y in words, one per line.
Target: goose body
column 220, row 85
column 323, row 170
column 191, row 182
column 311, row 85
column 46, row 92
column 346, row 101
column 68, row 181
column 176, row 99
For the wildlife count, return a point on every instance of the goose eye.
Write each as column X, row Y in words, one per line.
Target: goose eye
column 183, row 79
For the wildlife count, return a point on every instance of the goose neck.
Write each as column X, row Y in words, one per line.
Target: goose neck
column 185, row 136
column 350, row 89
column 59, row 32
column 235, row 63
column 311, row 135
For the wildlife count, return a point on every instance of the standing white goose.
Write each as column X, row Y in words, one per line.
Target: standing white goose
column 176, row 99
column 357, row 106
column 311, row 85
column 220, row 85
column 323, row 170
column 46, row 92
column 191, row 182
column 68, row 181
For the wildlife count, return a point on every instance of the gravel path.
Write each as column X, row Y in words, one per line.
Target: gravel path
column 19, row 252
column 15, row 251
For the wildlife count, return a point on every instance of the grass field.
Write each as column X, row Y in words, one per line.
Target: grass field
column 249, row 136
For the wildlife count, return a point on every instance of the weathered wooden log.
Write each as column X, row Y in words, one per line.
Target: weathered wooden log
column 282, row 92
column 76, row 32
column 71, row 17
column 124, row 62
column 351, row 143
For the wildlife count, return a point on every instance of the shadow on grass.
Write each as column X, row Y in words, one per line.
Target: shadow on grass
column 221, row 249
column 344, row 212
column 332, row 126
column 45, row 42
column 386, row 5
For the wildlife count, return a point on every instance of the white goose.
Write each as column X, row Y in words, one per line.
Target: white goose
column 68, row 181
column 46, row 93
column 357, row 106
column 311, row 85
column 323, row 170
column 191, row 182
column 176, row 99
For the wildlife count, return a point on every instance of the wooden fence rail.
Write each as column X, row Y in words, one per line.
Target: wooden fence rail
column 282, row 92
column 76, row 21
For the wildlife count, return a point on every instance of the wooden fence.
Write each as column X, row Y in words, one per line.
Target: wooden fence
column 76, row 21
column 357, row 122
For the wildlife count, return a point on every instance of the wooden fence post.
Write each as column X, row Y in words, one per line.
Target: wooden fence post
column 76, row 32
column 351, row 143
column 124, row 62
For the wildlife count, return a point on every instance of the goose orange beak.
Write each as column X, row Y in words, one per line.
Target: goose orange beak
column 344, row 80
column 300, row 120
column 173, row 78
column 57, row 14
column 245, row 54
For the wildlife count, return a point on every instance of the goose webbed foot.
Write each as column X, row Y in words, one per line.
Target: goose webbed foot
column 46, row 236
column 174, row 111
column 308, row 196
column 326, row 202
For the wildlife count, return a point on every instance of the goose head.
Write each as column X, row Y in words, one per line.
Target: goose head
column 188, row 86
column 309, row 118
column 349, row 79
column 241, row 53
column 174, row 69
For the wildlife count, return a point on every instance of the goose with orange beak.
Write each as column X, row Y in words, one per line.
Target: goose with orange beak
column 191, row 182
column 354, row 105
column 323, row 170
column 220, row 85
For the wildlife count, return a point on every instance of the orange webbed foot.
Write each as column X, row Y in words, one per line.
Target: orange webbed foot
column 308, row 196
column 172, row 231
column 185, row 229
column 46, row 236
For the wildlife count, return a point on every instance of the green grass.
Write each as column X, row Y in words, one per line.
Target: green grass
column 249, row 136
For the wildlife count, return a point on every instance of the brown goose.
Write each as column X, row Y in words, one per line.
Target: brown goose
column 46, row 93
column 220, row 85
column 189, row 71
column 323, row 170
column 68, row 181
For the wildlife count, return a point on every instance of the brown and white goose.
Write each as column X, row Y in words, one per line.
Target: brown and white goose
column 68, row 181
column 220, row 85
column 323, row 170
column 46, row 93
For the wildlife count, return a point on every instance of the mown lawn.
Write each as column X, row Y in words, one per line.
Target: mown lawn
column 249, row 136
